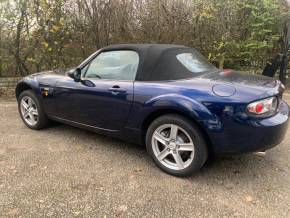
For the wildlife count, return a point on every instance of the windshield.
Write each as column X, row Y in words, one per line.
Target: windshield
column 195, row 62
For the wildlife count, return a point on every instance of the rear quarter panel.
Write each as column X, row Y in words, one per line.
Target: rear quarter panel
column 150, row 97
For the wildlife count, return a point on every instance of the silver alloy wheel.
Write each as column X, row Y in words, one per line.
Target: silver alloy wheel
column 172, row 146
column 29, row 110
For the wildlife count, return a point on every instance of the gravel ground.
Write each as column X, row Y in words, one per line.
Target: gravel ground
column 67, row 172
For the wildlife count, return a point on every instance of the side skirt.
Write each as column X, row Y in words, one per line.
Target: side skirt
column 128, row 135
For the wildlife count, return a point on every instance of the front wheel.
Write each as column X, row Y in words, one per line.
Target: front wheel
column 176, row 145
column 30, row 110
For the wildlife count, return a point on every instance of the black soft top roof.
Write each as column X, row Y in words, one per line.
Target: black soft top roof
column 157, row 61
column 143, row 47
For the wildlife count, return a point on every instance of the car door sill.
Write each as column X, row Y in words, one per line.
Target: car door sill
column 82, row 124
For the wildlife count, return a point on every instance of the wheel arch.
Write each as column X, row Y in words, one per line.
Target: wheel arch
column 21, row 86
column 161, row 112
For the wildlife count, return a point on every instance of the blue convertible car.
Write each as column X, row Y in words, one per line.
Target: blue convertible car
column 168, row 97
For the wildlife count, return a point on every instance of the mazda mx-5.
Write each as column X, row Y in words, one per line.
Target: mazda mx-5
column 168, row 97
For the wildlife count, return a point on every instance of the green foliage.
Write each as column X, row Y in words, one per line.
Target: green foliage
column 264, row 21
column 252, row 37
column 43, row 34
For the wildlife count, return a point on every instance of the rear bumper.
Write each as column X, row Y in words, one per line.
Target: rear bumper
column 251, row 135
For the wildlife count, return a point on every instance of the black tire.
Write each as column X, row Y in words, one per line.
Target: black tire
column 42, row 121
column 200, row 147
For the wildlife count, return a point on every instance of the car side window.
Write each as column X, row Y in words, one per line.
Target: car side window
column 114, row 65
column 194, row 62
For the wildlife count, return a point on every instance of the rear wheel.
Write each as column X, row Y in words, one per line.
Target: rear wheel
column 176, row 145
column 30, row 110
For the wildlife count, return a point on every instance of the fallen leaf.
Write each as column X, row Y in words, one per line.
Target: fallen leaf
column 77, row 213
column 138, row 170
column 121, row 209
column 249, row 198
column 79, row 147
column 13, row 212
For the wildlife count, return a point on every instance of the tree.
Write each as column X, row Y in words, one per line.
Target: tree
column 38, row 35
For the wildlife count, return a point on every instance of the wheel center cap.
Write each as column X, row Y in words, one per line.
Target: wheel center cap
column 172, row 145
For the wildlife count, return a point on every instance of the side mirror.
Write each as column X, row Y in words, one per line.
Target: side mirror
column 75, row 74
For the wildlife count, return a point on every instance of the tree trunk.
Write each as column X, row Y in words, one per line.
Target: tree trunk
column 21, row 68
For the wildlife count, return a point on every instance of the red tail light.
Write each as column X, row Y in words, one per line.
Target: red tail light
column 266, row 106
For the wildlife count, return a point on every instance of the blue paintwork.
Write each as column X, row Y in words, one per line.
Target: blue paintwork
column 216, row 102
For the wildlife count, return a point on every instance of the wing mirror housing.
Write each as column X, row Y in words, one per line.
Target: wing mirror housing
column 75, row 74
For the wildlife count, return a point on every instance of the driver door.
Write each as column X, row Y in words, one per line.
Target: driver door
column 104, row 97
